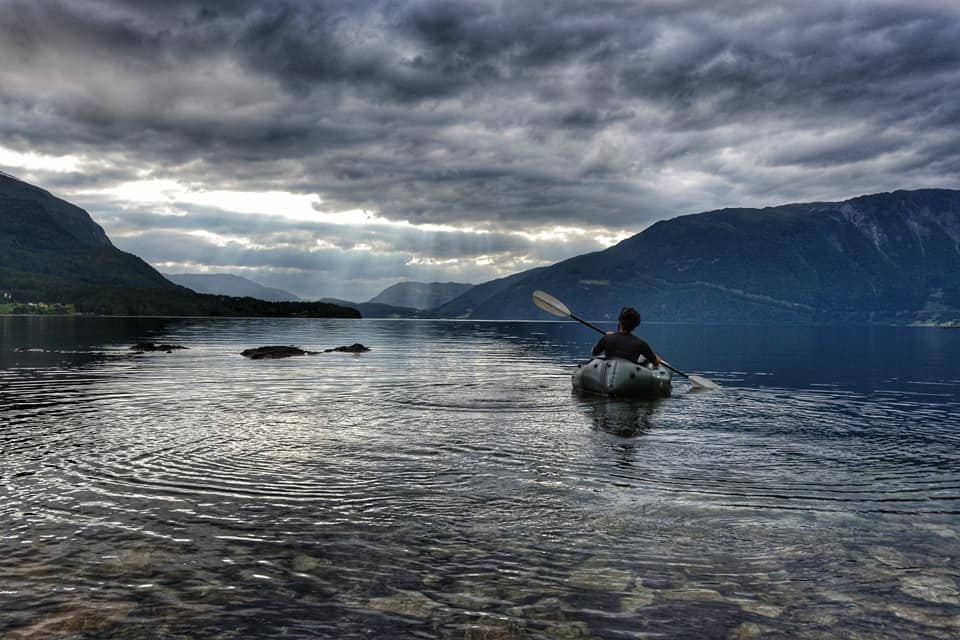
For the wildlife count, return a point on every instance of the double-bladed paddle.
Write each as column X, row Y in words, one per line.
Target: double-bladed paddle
column 554, row 307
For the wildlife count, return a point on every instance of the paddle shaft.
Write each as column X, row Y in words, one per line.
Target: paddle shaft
column 592, row 326
column 599, row 330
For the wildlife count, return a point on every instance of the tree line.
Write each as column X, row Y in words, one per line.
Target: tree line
column 147, row 301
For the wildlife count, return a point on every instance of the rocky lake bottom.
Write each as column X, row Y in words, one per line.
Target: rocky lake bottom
column 449, row 484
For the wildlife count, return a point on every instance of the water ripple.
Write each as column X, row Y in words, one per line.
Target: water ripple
column 450, row 484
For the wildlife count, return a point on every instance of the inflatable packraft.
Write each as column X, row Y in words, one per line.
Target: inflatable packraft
column 619, row 377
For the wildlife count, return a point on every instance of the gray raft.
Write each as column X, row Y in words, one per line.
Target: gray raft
column 619, row 377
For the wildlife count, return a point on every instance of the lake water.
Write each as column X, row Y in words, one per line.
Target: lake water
column 449, row 484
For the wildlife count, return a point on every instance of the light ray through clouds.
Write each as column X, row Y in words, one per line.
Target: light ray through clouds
column 188, row 237
column 334, row 148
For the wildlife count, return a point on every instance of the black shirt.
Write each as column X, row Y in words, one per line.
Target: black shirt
column 624, row 345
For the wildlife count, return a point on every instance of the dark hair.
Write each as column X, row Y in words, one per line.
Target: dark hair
column 629, row 318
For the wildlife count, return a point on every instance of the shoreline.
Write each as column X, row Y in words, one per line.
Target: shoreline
column 918, row 325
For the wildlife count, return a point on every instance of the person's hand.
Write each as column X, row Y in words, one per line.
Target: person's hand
column 610, row 333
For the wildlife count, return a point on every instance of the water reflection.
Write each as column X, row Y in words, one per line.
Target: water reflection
column 449, row 485
column 82, row 333
column 618, row 416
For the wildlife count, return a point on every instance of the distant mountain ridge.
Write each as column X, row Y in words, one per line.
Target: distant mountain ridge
column 53, row 251
column 375, row 309
column 421, row 295
column 228, row 284
column 890, row 257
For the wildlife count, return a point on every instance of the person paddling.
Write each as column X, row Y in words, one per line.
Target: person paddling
column 622, row 343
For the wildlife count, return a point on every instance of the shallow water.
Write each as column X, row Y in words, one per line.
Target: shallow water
column 448, row 484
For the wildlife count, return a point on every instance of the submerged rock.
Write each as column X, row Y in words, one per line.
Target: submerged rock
column 748, row 631
column 546, row 608
column 136, row 562
column 762, row 609
column 260, row 353
column 356, row 347
column 152, row 346
column 568, row 631
column 411, row 604
column 942, row 530
column 69, row 622
column 493, row 629
column 638, row 598
column 939, row 589
column 302, row 563
column 596, row 575
column 926, row 617
column 692, row 594
column 890, row 557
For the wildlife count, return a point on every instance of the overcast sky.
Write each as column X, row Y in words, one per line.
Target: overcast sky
column 334, row 148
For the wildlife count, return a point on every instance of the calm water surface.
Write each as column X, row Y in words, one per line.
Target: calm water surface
column 448, row 484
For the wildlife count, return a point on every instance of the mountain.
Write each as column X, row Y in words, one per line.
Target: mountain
column 227, row 284
column 45, row 236
column 421, row 295
column 53, row 251
column 889, row 257
column 71, row 219
column 375, row 309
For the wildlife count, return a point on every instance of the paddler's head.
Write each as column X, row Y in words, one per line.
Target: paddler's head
column 628, row 320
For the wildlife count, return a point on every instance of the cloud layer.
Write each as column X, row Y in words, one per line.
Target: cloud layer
column 494, row 116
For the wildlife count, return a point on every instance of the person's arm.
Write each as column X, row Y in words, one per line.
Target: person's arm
column 599, row 347
column 648, row 353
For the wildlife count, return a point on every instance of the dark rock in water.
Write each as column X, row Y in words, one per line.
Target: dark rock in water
column 151, row 346
column 356, row 347
column 260, row 353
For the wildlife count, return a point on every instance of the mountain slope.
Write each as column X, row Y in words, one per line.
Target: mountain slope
column 892, row 257
column 420, row 295
column 44, row 235
column 52, row 251
column 227, row 284
column 71, row 218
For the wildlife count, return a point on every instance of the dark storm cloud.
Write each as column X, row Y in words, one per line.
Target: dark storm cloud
column 511, row 116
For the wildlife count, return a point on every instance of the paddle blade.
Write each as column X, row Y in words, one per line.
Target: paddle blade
column 550, row 304
column 697, row 381
column 700, row 381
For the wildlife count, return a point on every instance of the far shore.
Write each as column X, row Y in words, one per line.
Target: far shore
column 947, row 324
